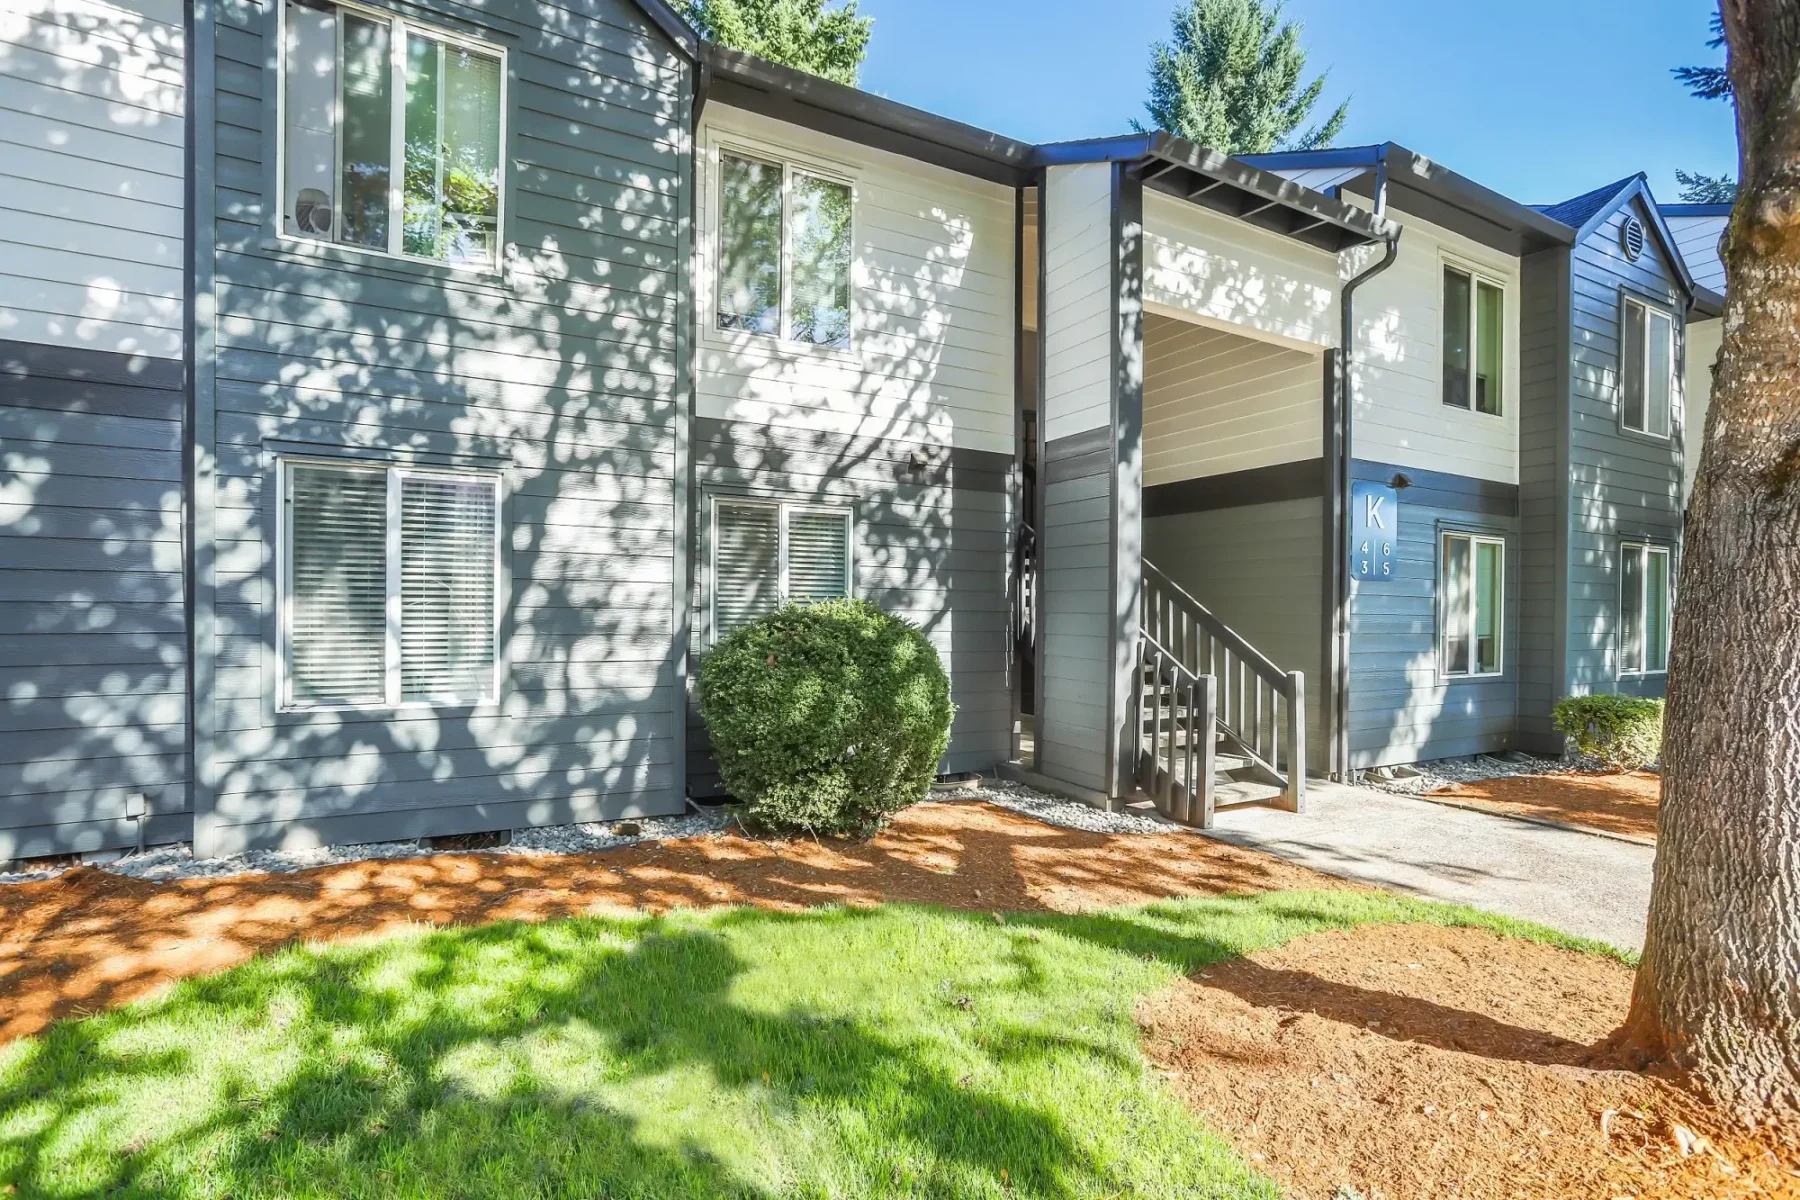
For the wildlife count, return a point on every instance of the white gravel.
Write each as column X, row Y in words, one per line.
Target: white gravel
column 164, row 863
column 1474, row 769
column 1056, row 810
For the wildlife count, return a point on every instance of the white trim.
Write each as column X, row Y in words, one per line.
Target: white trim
column 1650, row 310
column 1475, row 540
column 789, row 163
column 783, row 509
column 395, row 476
column 1478, row 275
column 1647, row 549
column 399, row 28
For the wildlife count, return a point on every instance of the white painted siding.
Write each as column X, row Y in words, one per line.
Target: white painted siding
column 1400, row 413
column 1703, row 339
column 1215, row 402
column 931, row 302
column 1323, row 179
column 1235, row 276
column 91, row 160
column 1077, row 317
column 1698, row 240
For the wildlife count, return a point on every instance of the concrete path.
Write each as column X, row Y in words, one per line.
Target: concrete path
column 1593, row 886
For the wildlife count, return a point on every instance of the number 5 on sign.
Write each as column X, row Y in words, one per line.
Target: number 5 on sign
column 1374, row 530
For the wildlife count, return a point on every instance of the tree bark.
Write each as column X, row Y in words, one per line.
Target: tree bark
column 1718, row 991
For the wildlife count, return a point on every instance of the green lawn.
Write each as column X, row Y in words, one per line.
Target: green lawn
column 899, row 1051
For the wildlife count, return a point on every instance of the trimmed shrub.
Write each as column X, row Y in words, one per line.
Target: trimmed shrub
column 1624, row 732
column 827, row 717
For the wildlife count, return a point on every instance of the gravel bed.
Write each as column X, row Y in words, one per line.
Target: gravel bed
column 1446, row 771
column 1057, row 810
column 166, row 863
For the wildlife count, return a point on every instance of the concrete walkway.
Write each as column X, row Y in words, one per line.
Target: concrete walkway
column 1593, row 886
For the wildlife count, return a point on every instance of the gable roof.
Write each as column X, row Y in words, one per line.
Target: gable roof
column 1576, row 212
column 1424, row 189
column 1591, row 210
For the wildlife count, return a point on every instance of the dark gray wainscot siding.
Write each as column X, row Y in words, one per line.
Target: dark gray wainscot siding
column 1401, row 711
column 1075, row 644
column 93, row 641
column 562, row 372
column 930, row 548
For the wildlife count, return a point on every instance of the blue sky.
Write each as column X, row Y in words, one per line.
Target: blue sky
column 1540, row 99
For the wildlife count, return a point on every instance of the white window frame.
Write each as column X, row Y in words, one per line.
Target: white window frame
column 784, row 509
column 1643, row 671
column 790, row 165
column 399, row 27
column 1477, row 277
column 1649, row 309
column 1443, row 605
column 395, row 474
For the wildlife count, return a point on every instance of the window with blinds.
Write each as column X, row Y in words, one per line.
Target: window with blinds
column 389, row 586
column 767, row 553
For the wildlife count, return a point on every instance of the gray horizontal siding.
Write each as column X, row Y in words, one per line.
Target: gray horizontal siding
column 1401, row 709
column 1543, row 491
column 934, row 550
column 1075, row 644
column 562, row 372
column 93, row 627
column 1258, row 568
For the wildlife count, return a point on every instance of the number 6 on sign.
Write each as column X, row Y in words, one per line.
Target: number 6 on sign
column 1374, row 526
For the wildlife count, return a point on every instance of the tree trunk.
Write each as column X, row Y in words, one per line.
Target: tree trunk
column 1718, row 992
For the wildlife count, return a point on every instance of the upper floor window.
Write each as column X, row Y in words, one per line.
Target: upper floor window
column 1472, row 591
column 1644, row 594
column 784, row 252
column 767, row 553
column 1474, row 341
column 1646, row 369
column 391, row 135
column 389, row 578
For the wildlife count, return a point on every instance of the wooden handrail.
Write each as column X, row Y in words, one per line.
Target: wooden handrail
column 1234, row 641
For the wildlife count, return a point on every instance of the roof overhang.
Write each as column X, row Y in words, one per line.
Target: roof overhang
column 1430, row 191
column 745, row 81
column 1231, row 186
column 664, row 17
column 1707, row 302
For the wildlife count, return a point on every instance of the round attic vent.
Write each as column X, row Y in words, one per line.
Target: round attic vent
column 1631, row 237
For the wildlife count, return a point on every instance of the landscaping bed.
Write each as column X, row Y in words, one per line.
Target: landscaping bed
column 1414, row 1063
column 1623, row 803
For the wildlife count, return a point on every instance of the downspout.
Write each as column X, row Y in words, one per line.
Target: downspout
column 1338, row 497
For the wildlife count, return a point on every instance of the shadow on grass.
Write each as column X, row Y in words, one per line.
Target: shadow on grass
column 891, row 1051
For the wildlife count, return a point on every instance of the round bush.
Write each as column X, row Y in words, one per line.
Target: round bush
column 1624, row 732
column 826, row 717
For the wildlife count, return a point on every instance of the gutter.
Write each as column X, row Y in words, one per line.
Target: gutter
column 1338, row 458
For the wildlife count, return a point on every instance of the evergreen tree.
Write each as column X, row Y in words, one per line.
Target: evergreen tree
column 1229, row 79
column 1707, row 83
column 804, row 34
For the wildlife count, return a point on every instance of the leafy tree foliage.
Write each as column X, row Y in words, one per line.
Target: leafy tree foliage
column 1228, row 78
column 804, row 34
column 1697, row 188
column 1707, row 83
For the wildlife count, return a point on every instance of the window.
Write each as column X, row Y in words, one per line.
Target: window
column 784, row 253
column 388, row 588
column 1471, row 587
column 1643, row 609
column 1646, row 369
column 391, row 135
column 766, row 554
column 1474, row 341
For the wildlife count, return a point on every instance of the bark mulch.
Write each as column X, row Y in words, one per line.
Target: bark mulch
column 1419, row 1063
column 1623, row 803
column 89, row 940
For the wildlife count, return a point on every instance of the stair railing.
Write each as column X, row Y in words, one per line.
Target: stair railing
column 1260, row 708
column 1176, row 723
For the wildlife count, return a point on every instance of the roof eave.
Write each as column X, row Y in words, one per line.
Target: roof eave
column 678, row 31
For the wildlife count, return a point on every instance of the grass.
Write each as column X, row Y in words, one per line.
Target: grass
column 897, row 1051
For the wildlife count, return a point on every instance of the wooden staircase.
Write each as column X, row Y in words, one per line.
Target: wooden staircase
column 1217, row 721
